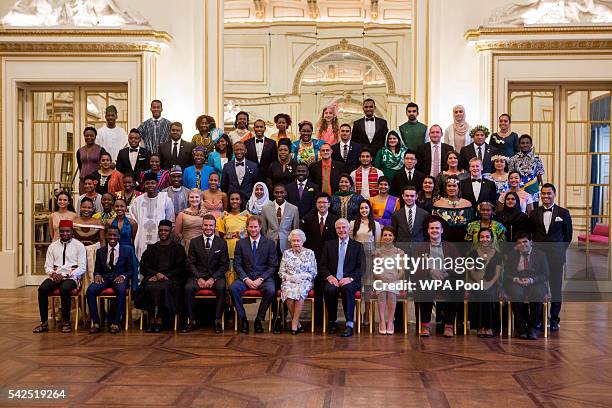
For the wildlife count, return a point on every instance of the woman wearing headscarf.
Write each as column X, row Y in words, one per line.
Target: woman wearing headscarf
column 458, row 134
column 390, row 158
column 511, row 216
column 259, row 197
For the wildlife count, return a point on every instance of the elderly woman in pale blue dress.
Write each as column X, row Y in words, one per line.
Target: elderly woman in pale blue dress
column 297, row 271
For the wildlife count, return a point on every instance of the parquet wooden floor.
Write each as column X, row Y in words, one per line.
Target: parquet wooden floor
column 570, row 369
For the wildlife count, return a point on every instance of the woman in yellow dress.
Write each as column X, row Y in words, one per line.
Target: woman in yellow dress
column 207, row 132
column 232, row 226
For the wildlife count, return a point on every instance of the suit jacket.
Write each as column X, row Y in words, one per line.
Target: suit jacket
column 352, row 158
column 289, row 222
column 123, row 265
column 315, row 174
column 423, row 154
column 142, row 161
column 314, row 240
column 559, row 233
column 208, row 264
column 307, row 204
column 468, row 152
column 537, row 270
column 263, row 265
column 268, row 156
column 488, row 191
column 185, row 158
column 354, row 260
column 229, row 179
column 378, row 141
column 399, row 222
column 401, row 179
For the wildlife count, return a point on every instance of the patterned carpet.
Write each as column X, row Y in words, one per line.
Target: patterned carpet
column 572, row 368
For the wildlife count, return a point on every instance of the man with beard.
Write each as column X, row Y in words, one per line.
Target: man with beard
column 413, row 132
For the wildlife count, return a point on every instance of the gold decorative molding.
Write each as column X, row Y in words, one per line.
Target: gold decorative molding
column 84, row 32
column 318, row 24
column 477, row 33
column 344, row 45
column 77, row 47
column 542, row 45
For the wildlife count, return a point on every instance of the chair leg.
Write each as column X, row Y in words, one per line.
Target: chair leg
column 455, row 326
column 270, row 319
column 312, row 316
column 53, row 309
column 371, row 307
column 405, row 305
column 501, row 317
column 76, row 316
column 465, row 317
column 545, row 320
column 509, row 319
column 141, row 318
column 235, row 319
column 127, row 311
column 418, row 320
column 358, row 306
column 176, row 322
column 324, row 318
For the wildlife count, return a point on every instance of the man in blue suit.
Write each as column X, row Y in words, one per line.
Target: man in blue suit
column 113, row 269
column 239, row 174
column 255, row 262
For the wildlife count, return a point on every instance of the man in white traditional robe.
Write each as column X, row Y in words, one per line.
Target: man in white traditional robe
column 110, row 136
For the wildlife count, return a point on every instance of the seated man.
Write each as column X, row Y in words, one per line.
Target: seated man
column 342, row 265
column 65, row 263
column 208, row 261
column 163, row 269
column 113, row 270
column 526, row 271
column 255, row 262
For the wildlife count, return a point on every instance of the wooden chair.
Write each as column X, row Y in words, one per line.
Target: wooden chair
column 357, row 312
column 79, row 299
column 419, row 322
column 109, row 293
column 309, row 298
column 257, row 295
column 143, row 312
column 544, row 317
column 401, row 298
column 210, row 294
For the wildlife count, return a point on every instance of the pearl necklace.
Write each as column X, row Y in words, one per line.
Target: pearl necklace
column 453, row 203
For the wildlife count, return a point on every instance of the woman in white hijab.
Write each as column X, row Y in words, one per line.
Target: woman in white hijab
column 259, row 197
column 458, row 134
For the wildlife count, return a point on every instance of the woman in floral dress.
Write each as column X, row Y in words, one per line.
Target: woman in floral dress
column 456, row 211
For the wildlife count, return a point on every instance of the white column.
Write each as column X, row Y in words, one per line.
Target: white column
column 420, row 57
column 213, row 59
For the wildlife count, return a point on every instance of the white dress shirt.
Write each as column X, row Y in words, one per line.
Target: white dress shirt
column 476, row 188
column 240, row 171
column 116, row 258
column 408, row 211
column 322, row 216
column 409, row 173
column 259, row 147
column 433, row 151
column 176, row 143
column 75, row 255
column 282, row 208
column 370, row 128
column 482, row 150
column 547, row 218
column 133, row 157
column 348, row 149
column 209, row 238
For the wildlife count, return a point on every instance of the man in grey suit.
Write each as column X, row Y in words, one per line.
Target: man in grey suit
column 408, row 221
column 278, row 219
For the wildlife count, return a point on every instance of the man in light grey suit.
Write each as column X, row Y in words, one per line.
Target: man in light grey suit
column 279, row 218
column 408, row 221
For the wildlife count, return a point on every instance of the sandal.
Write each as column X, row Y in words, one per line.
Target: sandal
column 114, row 329
column 44, row 327
column 66, row 328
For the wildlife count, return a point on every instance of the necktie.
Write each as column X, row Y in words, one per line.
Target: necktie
column 254, row 249
column 300, row 190
column 111, row 260
column 341, row 253
column 133, row 149
column 64, row 255
column 547, row 209
column 239, row 164
column 207, row 245
column 410, row 220
column 436, row 162
column 259, row 140
column 321, row 226
column 345, row 152
column 279, row 215
column 175, row 150
column 480, row 152
column 369, row 119
column 155, row 127
column 476, row 180
column 526, row 262
column 409, row 176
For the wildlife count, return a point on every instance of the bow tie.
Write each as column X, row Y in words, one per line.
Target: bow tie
column 133, row 150
column 476, row 180
column 259, row 140
column 239, row 164
column 547, row 209
column 369, row 119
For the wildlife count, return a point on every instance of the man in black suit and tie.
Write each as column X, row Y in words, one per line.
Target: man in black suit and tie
column 207, row 262
column 302, row 192
column 526, row 273
column 176, row 151
column 346, row 151
column 408, row 176
column 261, row 150
column 326, row 172
column 552, row 233
column 114, row 269
column 477, row 189
column 480, row 149
column 432, row 155
column 370, row 131
column 408, row 221
column 342, row 265
column 239, row 174
column 255, row 262
column 318, row 228
column 133, row 159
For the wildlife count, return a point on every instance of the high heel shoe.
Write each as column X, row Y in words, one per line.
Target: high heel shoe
column 382, row 328
column 390, row 328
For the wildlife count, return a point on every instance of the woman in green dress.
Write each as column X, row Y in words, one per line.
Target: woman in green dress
column 390, row 158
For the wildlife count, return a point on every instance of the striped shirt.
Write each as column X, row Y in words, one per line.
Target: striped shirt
column 153, row 135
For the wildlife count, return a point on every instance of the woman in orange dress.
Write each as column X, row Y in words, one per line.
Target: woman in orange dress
column 328, row 127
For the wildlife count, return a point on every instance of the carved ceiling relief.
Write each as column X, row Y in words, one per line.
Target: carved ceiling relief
column 534, row 12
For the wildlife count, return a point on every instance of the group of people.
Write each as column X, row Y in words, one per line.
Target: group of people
column 242, row 213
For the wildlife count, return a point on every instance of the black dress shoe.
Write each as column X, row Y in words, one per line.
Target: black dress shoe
column 189, row 327
column 554, row 326
column 218, row 327
column 42, row 328
column 300, row 329
column 533, row 334
column 333, row 327
column 157, row 328
column 257, row 326
column 244, row 325
column 294, row 332
column 94, row 329
column 277, row 326
column 150, row 329
column 348, row 332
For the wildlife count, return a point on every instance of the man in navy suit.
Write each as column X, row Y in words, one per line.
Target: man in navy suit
column 408, row 176
column 302, row 192
column 113, row 269
column 133, row 159
column 370, row 131
column 261, row 150
column 552, row 232
column 176, row 151
column 255, row 262
column 342, row 265
column 239, row 174
column 346, row 151
column 480, row 149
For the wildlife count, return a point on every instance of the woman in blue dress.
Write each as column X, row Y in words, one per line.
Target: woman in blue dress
column 196, row 176
column 127, row 232
column 505, row 140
